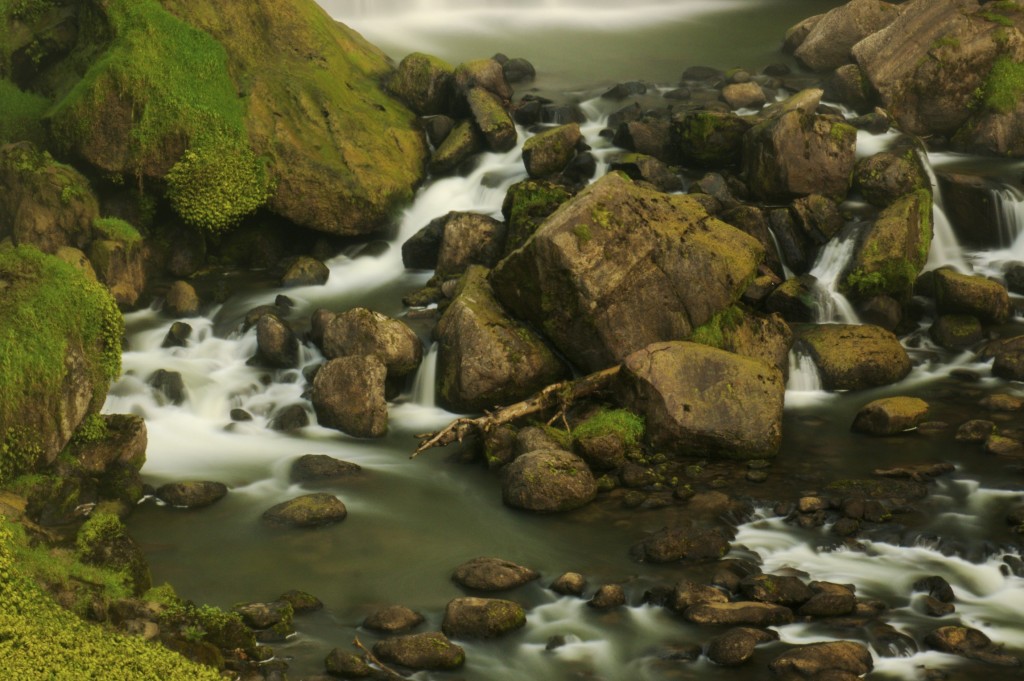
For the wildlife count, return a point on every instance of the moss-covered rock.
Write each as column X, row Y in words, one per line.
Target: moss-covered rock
column 548, row 481
column 20, row 114
column 471, row 617
column 60, row 347
column 851, row 357
column 461, row 143
column 957, row 293
column 492, row 119
column 42, row 202
column 700, row 400
column 734, row 329
column 956, row 331
column 527, row 204
column 425, row 83
column 308, row 510
column 486, row 358
column 549, row 152
column 431, row 650
column 621, row 266
column 893, row 251
column 885, row 177
column 712, row 139
column 890, row 415
column 104, row 540
column 197, row 93
column 118, row 256
column 361, row 331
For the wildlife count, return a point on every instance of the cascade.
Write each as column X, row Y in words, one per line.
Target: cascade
column 945, row 250
column 1009, row 213
column 804, row 376
column 833, row 306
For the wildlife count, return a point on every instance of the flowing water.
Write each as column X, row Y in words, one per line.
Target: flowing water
column 411, row 522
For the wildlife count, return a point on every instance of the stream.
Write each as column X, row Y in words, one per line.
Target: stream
column 411, row 523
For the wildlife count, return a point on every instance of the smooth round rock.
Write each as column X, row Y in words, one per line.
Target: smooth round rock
column 192, row 493
column 309, row 510
column 492, row 574
column 393, row 619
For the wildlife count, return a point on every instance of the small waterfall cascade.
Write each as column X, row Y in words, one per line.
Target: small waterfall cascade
column 804, row 376
column 1009, row 213
column 833, row 306
column 424, row 388
column 945, row 250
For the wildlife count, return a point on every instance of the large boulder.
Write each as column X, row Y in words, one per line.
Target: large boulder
column 348, row 395
column 548, row 481
column 974, row 295
column 621, row 266
column 854, row 357
column 931, row 64
column 828, row 44
column 886, row 176
column 527, row 204
column 486, row 358
column 472, row 617
column 799, row 153
column 61, row 347
column 43, row 203
column 361, row 331
column 893, row 251
column 700, row 400
column 468, row 239
column 209, row 117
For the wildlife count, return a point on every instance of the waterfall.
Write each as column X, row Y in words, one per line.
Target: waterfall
column 424, row 387
column 833, row 306
column 945, row 249
column 1009, row 213
column 803, row 373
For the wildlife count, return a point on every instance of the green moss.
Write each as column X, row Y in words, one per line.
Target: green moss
column 20, row 114
column 841, row 133
column 1004, row 86
column 996, row 18
column 583, row 233
column 19, row 452
column 40, row 640
column 561, row 437
column 49, row 307
column 891, row 276
column 116, row 229
column 526, row 206
column 92, row 429
column 945, row 41
column 622, row 423
column 714, row 331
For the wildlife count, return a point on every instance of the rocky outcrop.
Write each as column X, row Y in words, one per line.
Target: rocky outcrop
column 698, row 400
column 348, row 395
column 893, row 251
column 974, row 295
column 548, row 481
column 621, row 266
column 486, row 358
column 851, row 357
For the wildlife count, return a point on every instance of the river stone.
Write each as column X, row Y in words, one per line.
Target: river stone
column 796, row 154
column 1002, row 402
column 608, row 596
column 818, row 658
column 469, row 239
column 305, row 271
column 121, row 267
column 956, row 331
column 747, row 95
column 461, row 143
column 181, row 300
column 890, row 415
column 427, row 651
column 169, row 386
column 177, row 336
column 322, row 468
column 739, row 613
column 289, row 418
column 419, row 252
column 893, row 251
column 957, row 293
column 1000, row 445
column 778, row 589
column 620, row 266
column 573, row 583
column 308, row 510
column 425, row 83
column 697, row 399
column 548, row 481
column 885, row 177
column 687, row 593
column 829, row 600
column 393, row 619
column 732, row 648
column 276, row 344
column 486, row 358
column 710, row 139
column 827, row 45
column 794, row 299
column 854, row 357
column 492, row 119
column 975, row 430
column 348, row 395
column 192, row 493
column 848, row 85
column 471, row 617
column 362, row 332
column 648, row 169
column 517, row 70
column 970, row 643
column 796, row 34
column 266, row 615
column 678, row 544
column 301, row 601
column 492, row 574
column 549, row 152
column 348, row 665
column 487, row 74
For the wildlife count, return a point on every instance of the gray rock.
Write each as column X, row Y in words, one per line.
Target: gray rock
column 492, row 574
column 308, row 510
column 548, row 481
column 348, row 395
column 361, row 332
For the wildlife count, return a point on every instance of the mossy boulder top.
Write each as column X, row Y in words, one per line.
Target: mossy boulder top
column 854, row 357
column 621, row 266
column 240, row 105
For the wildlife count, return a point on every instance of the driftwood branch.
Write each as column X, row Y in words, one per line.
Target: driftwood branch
column 558, row 396
column 374, row 659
